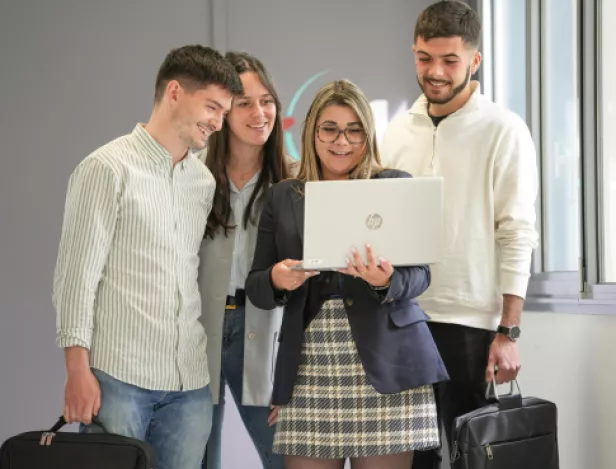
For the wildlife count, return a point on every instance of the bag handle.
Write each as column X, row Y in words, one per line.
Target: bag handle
column 506, row 401
column 61, row 422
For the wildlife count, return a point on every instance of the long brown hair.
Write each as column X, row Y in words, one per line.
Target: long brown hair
column 343, row 93
column 274, row 167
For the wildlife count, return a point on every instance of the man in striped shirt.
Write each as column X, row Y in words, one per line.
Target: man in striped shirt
column 125, row 285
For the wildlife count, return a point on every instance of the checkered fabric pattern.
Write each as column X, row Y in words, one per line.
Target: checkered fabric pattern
column 336, row 413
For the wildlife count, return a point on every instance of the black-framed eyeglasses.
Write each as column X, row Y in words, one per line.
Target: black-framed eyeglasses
column 329, row 133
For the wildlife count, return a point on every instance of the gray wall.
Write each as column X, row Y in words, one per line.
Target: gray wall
column 366, row 42
column 76, row 74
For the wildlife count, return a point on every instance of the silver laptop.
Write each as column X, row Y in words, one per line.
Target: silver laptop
column 402, row 219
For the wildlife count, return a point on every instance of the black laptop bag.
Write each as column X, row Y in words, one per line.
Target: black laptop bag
column 512, row 433
column 68, row 450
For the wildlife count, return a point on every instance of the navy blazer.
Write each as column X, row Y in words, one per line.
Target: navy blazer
column 390, row 330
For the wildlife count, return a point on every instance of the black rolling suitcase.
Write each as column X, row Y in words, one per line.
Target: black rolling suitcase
column 68, row 450
column 513, row 433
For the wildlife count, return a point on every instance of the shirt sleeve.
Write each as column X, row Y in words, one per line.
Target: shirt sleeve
column 90, row 215
column 388, row 146
column 515, row 192
column 211, row 192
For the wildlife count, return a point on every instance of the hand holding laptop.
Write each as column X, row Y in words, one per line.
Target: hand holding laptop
column 284, row 277
column 378, row 276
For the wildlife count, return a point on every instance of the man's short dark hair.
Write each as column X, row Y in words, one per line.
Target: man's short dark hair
column 449, row 18
column 196, row 67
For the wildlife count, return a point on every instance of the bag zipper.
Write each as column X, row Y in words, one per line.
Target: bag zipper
column 455, row 453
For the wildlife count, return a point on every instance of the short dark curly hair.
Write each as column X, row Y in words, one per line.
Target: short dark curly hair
column 449, row 18
column 196, row 66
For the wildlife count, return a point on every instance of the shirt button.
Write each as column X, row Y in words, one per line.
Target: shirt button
column 251, row 335
column 349, row 302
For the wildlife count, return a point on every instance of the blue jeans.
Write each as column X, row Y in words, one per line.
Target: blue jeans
column 254, row 418
column 176, row 424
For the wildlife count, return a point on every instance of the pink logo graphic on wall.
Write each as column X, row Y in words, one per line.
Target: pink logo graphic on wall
column 289, row 120
column 380, row 110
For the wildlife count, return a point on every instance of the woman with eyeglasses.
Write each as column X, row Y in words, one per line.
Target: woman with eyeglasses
column 356, row 361
column 246, row 157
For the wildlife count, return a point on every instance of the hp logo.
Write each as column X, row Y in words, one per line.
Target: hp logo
column 374, row 221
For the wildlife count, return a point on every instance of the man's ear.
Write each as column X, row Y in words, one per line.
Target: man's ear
column 173, row 90
column 476, row 62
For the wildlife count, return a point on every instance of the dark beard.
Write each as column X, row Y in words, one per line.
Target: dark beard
column 456, row 91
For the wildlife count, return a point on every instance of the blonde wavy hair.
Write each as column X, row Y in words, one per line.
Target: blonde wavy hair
column 342, row 93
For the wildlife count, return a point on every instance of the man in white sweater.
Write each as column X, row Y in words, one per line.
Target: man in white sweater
column 486, row 156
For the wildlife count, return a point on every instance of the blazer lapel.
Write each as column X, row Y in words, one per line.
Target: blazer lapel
column 298, row 212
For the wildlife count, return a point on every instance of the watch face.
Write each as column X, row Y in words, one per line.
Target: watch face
column 514, row 332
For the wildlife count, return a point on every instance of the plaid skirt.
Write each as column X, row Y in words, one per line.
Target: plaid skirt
column 336, row 413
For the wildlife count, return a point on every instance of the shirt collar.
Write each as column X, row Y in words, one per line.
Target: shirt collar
column 421, row 105
column 151, row 147
column 155, row 150
column 252, row 182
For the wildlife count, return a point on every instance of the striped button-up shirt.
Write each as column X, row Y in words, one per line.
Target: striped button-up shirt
column 125, row 285
column 239, row 202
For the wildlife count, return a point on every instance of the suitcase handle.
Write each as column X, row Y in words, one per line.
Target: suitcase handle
column 61, row 422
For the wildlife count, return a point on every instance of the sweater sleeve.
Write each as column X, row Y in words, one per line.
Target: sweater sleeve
column 390, row 147
column 515, row 192
column 387, row 148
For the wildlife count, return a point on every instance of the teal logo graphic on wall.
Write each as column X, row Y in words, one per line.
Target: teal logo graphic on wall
column 289, row 120
column 380, row 111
